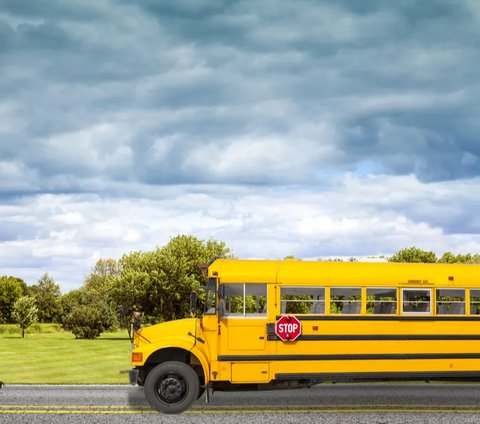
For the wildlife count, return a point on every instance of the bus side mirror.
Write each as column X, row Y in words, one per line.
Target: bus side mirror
column 137, row 316
column 193, row 304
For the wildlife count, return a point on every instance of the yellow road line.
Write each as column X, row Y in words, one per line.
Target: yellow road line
column 72, row 411
column 238, row 412
column 57, row 409
column 210, row 406
column 76, row 407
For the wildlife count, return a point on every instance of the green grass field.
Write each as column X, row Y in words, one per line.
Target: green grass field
column 58, row 358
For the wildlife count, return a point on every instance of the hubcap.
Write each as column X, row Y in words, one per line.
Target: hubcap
column 172, row 389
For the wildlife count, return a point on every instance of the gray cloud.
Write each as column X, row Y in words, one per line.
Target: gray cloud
column 237, row 104
column 390, row 82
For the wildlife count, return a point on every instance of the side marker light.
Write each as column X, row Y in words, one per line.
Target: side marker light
column 137, row 356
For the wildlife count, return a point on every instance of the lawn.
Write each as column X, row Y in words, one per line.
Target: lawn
column 58, row 358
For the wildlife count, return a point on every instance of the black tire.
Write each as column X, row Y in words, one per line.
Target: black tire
column 171, row 387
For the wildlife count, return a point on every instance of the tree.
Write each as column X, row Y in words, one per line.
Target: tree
column 130, row 289
column 468, row 258
column 180, row 274
column 474, row 259
column 89, row 311
column 413, row 254
column 99, row 280
column 11, row 289
column 25, row 312
column 67, row 302
column 159, row 282
column 47, row 296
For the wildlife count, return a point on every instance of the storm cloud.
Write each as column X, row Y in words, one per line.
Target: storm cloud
column 310, row 128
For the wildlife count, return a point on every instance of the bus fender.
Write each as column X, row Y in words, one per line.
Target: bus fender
column 201, row 357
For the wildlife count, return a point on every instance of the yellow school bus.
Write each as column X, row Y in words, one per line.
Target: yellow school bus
column 288, row 324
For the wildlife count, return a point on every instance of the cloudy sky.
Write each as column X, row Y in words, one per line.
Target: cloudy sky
column 306, row 128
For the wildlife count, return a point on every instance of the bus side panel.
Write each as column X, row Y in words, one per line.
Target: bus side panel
column 370, row 346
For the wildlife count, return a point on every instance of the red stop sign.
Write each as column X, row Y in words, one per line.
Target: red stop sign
column 288, row 328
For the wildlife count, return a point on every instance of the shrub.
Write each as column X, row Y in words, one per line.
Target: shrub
column 44, row 329
column 89, row 321
column 36, row 328
column 9, row 329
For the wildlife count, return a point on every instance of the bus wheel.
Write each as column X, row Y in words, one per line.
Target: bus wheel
column 171, row 387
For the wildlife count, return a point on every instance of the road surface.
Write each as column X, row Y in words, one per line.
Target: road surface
column 330, row 403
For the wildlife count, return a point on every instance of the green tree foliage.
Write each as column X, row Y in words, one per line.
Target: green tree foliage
column 89, row 311
column 159, row 282
column 450, row 258
column 11, row 289
column 413, row 254
column 331, row 260
column 99, row 280
column 130, row 289
column 85, row 314
column 89, row 321
column 25, row 312
column 98, row 286
column 67, row 302
column 47, row 297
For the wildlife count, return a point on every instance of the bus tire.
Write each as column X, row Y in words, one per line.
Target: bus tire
column 171, row 387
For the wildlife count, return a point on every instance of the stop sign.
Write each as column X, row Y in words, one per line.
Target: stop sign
column 288, row 328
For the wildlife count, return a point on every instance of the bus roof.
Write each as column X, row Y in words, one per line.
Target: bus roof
column 299, row 272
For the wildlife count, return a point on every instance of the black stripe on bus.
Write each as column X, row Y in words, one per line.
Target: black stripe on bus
column 378, row 375
column 383, row 337
column 383, row 318
column 348, row 357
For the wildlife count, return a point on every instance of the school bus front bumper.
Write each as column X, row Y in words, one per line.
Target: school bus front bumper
column 133, row 376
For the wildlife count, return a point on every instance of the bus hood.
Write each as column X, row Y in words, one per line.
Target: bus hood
column 184, row 328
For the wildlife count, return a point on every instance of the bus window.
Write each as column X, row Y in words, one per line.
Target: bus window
column 416, row 301
column 381, row 301
column 302, row 300
column 345, row 300
column 241, row 300
column 474, row 302
column 255, row 299
column 210, row 296
column 233, row 298
column 451, row 301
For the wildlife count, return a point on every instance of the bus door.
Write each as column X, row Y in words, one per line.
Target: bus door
column 242, row 340
column 243, row 318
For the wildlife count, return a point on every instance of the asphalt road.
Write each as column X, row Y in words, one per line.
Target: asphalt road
column 332, row 403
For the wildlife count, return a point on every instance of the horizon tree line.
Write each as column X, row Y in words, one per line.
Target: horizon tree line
column 157, row 282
